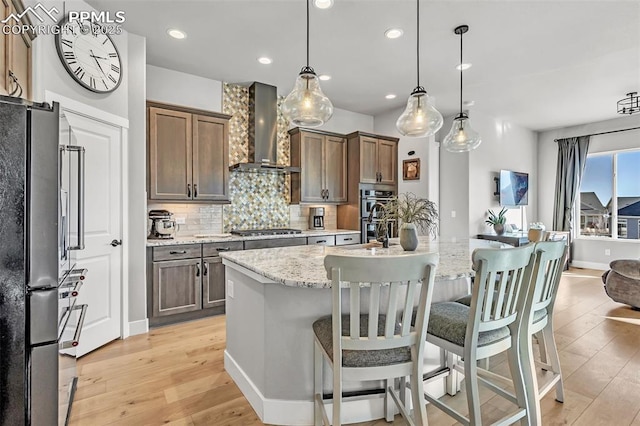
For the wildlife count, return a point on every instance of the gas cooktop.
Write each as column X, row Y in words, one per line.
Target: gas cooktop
column 259, row 232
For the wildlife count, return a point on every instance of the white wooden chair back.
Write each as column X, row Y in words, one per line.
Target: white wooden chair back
column 386, row 279
column 547, row 271
column 500, row 288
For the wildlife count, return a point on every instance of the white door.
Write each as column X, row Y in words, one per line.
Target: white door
column 103, row 224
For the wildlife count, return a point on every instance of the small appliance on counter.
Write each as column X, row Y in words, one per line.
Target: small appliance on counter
column 316, row 218
column 163, row 227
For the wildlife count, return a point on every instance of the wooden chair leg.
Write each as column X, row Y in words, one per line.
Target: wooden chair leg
column 522, row 369
column 337, row 394
column 471, row 386
column 388, row 400
column 554, row 360
column 543, row 347
column 317, row 384
column 403, row 391
column 417, row 394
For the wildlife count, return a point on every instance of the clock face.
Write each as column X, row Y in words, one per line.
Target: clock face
column 89, row 56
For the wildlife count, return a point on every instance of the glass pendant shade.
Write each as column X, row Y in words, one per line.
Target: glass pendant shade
column 306, row 105
column 419, row 118
column 461, row 137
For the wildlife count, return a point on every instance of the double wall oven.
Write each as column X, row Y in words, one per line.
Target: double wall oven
column 371, row 200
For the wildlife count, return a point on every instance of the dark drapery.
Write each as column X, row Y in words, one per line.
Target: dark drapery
column 572, row 157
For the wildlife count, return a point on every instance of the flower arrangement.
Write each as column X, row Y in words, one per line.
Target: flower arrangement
column 409, row 208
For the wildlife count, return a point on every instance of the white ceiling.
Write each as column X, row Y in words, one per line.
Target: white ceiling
column 540, row 64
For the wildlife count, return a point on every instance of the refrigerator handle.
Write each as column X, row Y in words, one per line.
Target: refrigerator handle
column 81, row 195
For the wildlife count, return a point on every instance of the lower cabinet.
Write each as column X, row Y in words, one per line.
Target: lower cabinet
column 176, row 286
column 213, row 282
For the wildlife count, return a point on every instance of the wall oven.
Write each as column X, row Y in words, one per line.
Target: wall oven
column 368, row 199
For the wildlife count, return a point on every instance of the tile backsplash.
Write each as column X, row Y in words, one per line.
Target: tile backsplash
column 258, row 200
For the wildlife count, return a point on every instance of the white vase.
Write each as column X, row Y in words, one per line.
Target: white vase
column 408, row 236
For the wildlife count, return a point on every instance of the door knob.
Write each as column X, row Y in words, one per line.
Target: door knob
column 116, row 243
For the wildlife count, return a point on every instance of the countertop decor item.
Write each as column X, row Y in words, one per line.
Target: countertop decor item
column 461, row 137
column 306, row 105
column 497, row 220
column 413, row 213
column 420, row 118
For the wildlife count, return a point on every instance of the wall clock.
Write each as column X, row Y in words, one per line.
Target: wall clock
column 89, row 56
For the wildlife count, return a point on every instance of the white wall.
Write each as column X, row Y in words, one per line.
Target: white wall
column 137, row 213
column 344, row 121
column 178, row 88
column 49, row 73
column 466, row 179
column 586, row 252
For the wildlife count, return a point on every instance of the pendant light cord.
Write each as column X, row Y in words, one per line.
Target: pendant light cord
column 418, row 43
column 308, row 32
column 461, row 71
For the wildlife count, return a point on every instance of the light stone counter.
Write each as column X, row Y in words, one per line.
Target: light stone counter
column 221, row 238
column 303, row 266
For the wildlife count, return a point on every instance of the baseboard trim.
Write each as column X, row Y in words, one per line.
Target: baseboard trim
column 297, row 412
column 589, row 265
column 138, row 327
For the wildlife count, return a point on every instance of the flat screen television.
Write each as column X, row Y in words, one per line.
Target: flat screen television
column 514, row 188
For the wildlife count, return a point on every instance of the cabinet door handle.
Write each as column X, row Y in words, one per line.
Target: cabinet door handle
column 195, row 190
column 197, row 269
column 327, row 193
column 178, row 252
column 380, row 177
column 347, row 239
column 189, row 190
column 223, row 249
column 321, row 241
column 206, row 268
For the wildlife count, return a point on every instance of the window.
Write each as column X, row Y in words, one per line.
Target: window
column 610, row 194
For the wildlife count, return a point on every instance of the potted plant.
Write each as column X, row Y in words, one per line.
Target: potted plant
column 497, row 220
column 412, row 213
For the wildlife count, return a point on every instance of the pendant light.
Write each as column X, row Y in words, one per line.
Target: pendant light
column 461, row 137
column 419, row 118
column 306, row 105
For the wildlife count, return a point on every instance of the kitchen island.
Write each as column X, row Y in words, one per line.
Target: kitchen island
column 273, row 298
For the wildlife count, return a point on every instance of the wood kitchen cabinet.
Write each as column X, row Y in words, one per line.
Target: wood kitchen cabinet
column 322, row 158
column 176, row 287
column 376, row 157
column 213, row 282
column 188, row 154
column 15, row 53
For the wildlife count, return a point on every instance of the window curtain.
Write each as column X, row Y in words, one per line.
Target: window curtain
column 572, row 157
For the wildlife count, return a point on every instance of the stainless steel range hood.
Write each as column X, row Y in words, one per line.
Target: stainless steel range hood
column 263, row 131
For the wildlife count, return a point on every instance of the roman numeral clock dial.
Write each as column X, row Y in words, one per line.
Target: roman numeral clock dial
column 89, row 56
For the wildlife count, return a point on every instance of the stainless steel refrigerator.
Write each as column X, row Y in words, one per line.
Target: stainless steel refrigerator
column 41, row 223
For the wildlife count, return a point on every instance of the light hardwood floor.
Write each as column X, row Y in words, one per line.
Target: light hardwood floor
column 174, row 375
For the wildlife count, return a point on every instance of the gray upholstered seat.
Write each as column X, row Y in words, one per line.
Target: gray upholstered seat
column 323, row 330
column 537, row 315
column 448, row 321
column 622, row 282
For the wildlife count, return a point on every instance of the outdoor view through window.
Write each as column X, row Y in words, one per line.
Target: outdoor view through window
column 610, row 194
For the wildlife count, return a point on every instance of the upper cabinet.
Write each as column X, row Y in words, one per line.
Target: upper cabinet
column 15, row 53
column 375, row 157
column 188, row 154
column 322, row 157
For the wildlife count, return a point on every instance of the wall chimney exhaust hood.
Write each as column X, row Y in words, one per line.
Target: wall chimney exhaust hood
column 263, row 130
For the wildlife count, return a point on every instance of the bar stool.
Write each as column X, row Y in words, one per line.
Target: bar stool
column 491, row 324
column 378, row 343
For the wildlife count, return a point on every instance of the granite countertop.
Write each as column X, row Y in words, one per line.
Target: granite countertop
column 303, row 266
column 221, row 238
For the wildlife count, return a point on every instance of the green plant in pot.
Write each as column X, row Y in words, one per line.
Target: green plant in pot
column 413, row 214
column 497, row 220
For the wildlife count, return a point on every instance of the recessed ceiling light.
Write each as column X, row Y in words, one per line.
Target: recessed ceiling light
column 463, row 67
column 390, row 96
column 323, row 4
column 325, row 77
column 264, row 60
column 176, row 33
column 393, row 33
